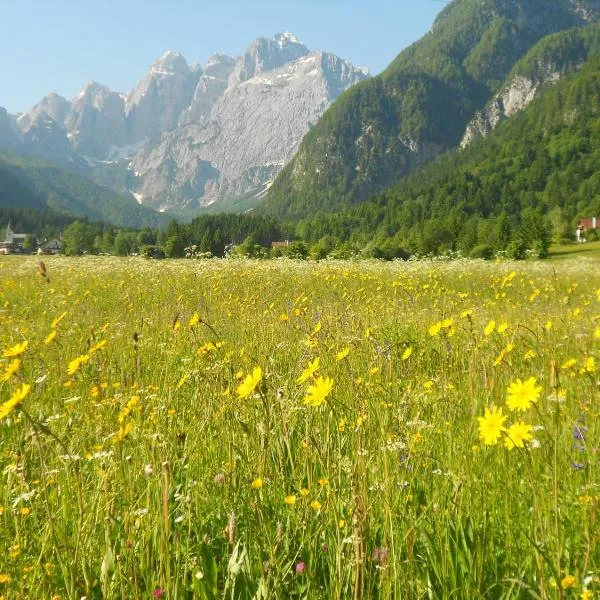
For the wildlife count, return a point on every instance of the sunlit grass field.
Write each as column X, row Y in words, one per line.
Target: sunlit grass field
column 239, row 429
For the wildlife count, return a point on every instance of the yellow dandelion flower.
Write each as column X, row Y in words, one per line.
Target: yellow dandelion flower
column 50, row 337
column 489, row 329
column 14, row 401
column 491, row 426
column 245, row 389
column 341, row 355
column 290, row 500
column 587, row 595
column 590, row 365
column 123, row 433
column 521, row 395
column 502, row 328
column 517, row 435
column 407, row 353
column 373, row 370
column 4, row 578
column 567, row 582
column 76, row 363
column 12, row 368
column 315, row 504
column 342, row 425
column 548, row 326
column 99, row 346
column 529, row 355
column 304, row 492
column 194, row 320
column 435, row 329
column 341, row 523
column 284, row 317
column 25, row 511
column 309, row 371
column 57, row 321
column 257, row 484
column 323, row 482
column 15, row 350
column 569, row 364
column 318, row 391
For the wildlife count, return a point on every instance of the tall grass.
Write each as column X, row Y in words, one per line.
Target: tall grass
column 166, row 448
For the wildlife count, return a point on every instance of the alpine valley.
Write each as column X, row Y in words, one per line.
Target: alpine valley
column 482, row 130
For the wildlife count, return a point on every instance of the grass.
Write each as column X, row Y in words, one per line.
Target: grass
column 180, row 439
column 587, row 250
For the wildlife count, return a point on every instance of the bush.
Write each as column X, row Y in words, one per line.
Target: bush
column 484, row 251
column 151, row 251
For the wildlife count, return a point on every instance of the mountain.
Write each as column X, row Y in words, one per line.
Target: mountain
column 546, row 63
column 420, row 106
column 530, row 179
column 30, row 182
column 187, row 137
column 250, row 132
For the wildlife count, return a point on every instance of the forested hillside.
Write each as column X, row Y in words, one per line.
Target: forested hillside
column 384, row 128
column 528, row 180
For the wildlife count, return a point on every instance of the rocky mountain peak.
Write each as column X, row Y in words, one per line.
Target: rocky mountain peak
column 170, row 64
column 219, row 65
column 267, row 54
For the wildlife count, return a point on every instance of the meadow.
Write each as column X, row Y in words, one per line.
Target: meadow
column 244, row 429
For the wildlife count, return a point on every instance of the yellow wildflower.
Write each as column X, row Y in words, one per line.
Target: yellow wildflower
column 567, row 582
column 309, row 371
column 489, row 329
column 12, row 368
column 257, row 484
column 4, row 578
column 491, row 426
column 521, row 395
column 517, row 435
column 101, row 344
column 342, row 353
column 15, row 350
column 435, row 329
column 407, row 353
column 50, row 337
column 318, row 391
column 245, row 389
column 304, row 492
column 58, row 320
column 290, row 500
column 76, row 363
column 316, row 505
column 194, row 320
column 14, row 401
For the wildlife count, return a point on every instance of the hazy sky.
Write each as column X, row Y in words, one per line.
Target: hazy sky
column 57, row 45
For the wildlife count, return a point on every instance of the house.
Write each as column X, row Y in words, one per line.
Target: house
column 584, row 225
column 53, row 246
column 589, row 223
column 277, row 245
column 13, row 242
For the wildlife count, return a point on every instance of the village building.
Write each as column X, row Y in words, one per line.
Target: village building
column 13, row 242
column 585, row 225
column 53, row 246
column 277, row 245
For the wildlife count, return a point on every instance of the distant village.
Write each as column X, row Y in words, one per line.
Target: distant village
column 27, row 243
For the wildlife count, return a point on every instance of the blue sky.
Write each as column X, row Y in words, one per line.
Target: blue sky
column 58, row 45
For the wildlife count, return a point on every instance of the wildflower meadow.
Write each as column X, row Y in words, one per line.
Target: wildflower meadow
column 248, row 430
